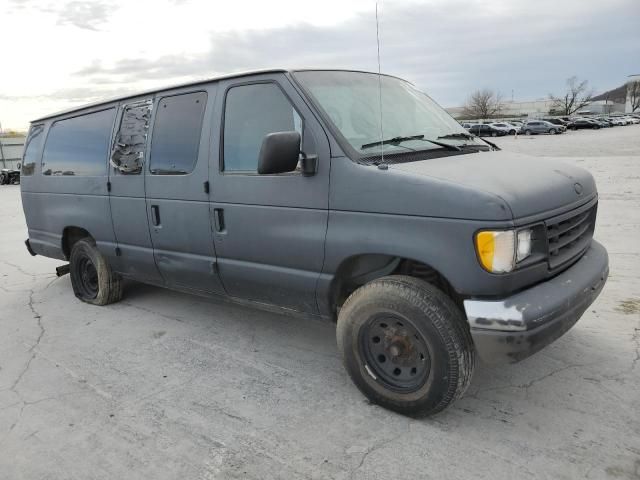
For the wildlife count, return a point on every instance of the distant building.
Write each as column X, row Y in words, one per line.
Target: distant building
column 11, row 150
column 528, row 109
column 599, row 107
column 617, row 100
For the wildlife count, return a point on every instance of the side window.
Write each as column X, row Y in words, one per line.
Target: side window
column 251, row 112
column 128, row 149
column 78, row 145
column 176, row 134
column 32, row 149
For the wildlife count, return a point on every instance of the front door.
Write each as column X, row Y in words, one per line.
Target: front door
column 177, row 189
column 269, row 230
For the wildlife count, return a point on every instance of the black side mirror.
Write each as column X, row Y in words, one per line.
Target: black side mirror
column 18, row 165
column 279, row 153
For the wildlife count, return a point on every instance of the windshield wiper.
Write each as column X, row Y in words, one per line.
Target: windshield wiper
column 457, row 135
column 470, row 137
column 398, row 140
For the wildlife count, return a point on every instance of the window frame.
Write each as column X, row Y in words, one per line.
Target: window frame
column 70, row 117
column 221, row 169
column 38, row 159
column 153, row 128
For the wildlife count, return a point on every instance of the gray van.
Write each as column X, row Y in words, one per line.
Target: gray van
column 339, row 194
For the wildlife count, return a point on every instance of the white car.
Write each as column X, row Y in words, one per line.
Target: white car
column 510, row 128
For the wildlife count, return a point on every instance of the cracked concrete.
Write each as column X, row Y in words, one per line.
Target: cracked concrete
column 165, row 385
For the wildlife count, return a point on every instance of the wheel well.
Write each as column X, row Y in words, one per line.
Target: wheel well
column 70, row 236
column 358, row 270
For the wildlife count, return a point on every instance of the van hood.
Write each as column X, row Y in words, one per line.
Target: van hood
column 528, row 185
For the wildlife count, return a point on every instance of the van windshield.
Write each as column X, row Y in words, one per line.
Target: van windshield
column 351, row 100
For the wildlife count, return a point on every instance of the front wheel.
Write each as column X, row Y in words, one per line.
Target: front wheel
column 527, row 132
column 552, row 132
column 406, row 345
column 91, row 276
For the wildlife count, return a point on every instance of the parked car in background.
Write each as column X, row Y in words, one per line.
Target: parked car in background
column 467, row 125
column 9, row 176
column 507, row 127
column 541, row 126
column 606, row 121
column 557, row 121
column 616, row 122
column 486, row 130
column 581, row 123
column 632, row 119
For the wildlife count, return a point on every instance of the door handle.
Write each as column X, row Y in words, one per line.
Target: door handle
column 218, row 220
column 155, row 215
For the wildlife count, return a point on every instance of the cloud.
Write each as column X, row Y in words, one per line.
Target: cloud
column 85, row 14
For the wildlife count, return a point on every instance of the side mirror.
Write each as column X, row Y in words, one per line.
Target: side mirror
column 18, row 165
column 279, row 153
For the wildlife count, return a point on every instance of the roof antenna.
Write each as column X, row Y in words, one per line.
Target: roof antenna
column 379, row 88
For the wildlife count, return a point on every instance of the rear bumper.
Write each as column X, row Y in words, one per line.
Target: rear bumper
column 513, row 328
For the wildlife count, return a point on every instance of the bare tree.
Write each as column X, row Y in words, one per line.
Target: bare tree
column 577, row 96
column 483, row 103
column 633, row 91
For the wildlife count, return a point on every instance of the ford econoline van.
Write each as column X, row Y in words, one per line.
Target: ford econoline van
column 346, row 195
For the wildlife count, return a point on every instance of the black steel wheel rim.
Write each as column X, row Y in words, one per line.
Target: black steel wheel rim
column 88, row 277
column 395, row 353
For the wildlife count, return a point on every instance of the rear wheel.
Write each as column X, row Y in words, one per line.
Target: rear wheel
column 91, row 276
column 406, row 345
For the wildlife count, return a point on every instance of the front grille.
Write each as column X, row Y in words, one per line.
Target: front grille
column 569, row 235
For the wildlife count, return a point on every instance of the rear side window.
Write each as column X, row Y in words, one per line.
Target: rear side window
column 79, row 145
column 176, row 134
column 32, row 149
column 251, row 112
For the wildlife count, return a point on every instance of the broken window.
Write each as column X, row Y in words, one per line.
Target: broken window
column 127, row 154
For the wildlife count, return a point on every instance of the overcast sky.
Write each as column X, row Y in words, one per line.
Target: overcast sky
column 60, row 53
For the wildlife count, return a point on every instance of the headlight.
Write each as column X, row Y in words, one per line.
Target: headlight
column 499, row 251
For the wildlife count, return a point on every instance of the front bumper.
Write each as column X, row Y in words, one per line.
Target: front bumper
column 513, row 328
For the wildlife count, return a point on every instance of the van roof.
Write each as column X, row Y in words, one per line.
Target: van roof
column 193, row 83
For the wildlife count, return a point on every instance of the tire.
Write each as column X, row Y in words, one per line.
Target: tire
column 527, row 132
column 552, row 131
column 512, row 132
column 91, row 276
column 3, row 179
column 494, row 134
column 421, row 332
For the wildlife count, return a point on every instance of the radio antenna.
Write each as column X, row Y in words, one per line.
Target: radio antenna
column 379, row 87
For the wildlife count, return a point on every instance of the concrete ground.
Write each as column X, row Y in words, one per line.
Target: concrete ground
column 165, row 385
